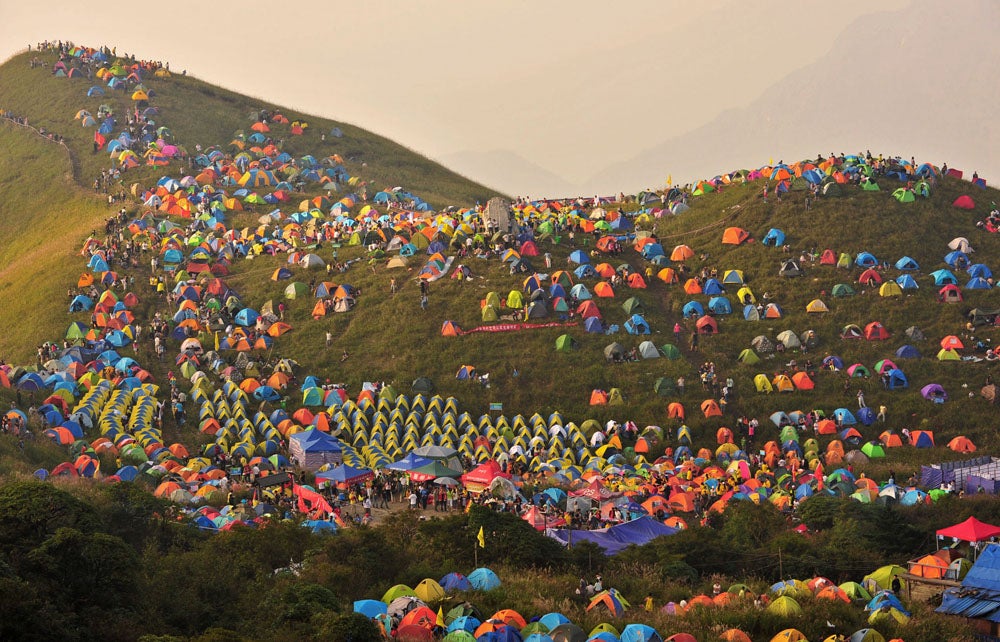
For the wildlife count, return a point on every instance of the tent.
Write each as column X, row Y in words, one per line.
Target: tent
column 964, row 202
column 564, row 343
column 971, row 530
column 314, row 448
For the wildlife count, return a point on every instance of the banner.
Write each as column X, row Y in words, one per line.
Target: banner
column 512, row 327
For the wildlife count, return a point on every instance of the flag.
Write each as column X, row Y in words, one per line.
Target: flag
column 481, row 538
column 670, row 180
column 440, row 618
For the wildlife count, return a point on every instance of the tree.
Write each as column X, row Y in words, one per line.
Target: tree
column 30, row 511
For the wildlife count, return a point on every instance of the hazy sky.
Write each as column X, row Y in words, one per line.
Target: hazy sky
column 570, row 87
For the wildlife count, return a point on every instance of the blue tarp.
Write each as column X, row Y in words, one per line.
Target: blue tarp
column 979, row 595
column 615, row 539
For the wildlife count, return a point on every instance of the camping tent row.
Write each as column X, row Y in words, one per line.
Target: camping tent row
column 393, row 432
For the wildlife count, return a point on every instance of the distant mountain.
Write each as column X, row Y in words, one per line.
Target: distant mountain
column 899, row 100
column 513, row 174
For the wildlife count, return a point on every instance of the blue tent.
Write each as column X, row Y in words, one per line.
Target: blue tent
column 906, row 282
column 637, row 325
column 455, row 582
column 866, row 415
column 652, row 250
column 81, row 303
column 410, row 462
column 585, row 271
column 943, row 277
column 978, row 283
column 320, row 526
column 640, row 633
column 693, row 309
column 594, row 325
column 896, row 378
column 774, row 237
column 370, row 608
column 907, row 352
column 906, row 263
column 720, row 305
column 956, row 258
column 483, row 579
column 980, row 270
column 712, row 286
column 343, row 474
column 844, row 417
column 246, row 317
column 866, row 259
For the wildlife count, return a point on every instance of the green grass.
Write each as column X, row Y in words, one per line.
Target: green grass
column 44, row 218
column 391, row 339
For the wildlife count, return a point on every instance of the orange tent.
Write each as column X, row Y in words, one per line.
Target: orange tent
column 890, row 439
column 691, row 286
column 833, row 593
column 826, row 427
column 929, row 566
column 710, row 408
column 675, row 410
column 962, row 444
column 681, row 253
column 604, row 290
column 605, row 270
column 675, row 522
column 598, row 398
column 667, row 275
column 734, row 236
column 682, row 502
column 802, row 381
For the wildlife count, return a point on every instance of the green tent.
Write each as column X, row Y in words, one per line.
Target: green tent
column 873, row 450
column 785, row 607
column 564, row 343
column 904, row 195
column 632, row 306
column 748, row 356
column 423, row 385
column 296, row 290
column 870, row 186
column 665, row 386
column 670, row 351
column 842, row 289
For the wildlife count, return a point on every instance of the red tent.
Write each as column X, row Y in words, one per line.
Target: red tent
column 971, row 530
column 479, row 478
column 964, row 202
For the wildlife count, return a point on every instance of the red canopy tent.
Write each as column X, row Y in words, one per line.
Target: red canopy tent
column 971, row 530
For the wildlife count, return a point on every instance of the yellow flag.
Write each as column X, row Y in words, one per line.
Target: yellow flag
column 481, row 538
column 440, row 618
column 670, row 179
column 216, row 341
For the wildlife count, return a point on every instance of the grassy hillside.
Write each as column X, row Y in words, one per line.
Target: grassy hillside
column 390, row 338
column 44, row 216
